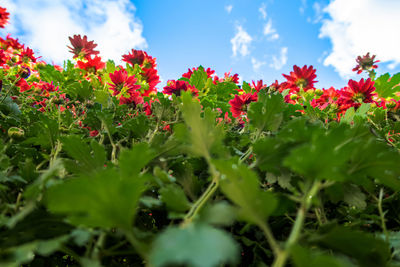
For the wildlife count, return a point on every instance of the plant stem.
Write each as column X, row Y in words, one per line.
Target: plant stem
column 276, row 249
column 212, row 187
column 136, row 244
column 114, row 147
column 382, row 215
column 306, row 202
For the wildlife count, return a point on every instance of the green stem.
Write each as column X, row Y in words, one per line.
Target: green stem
column 137, row 245
column 276, row 249
column 212, row 187
column 306, row 202
column 382, row 216
column 114, row 147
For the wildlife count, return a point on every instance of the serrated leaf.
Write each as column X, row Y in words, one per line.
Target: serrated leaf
column 386, row 88
column 205, row 136
column 198, row 78
column 368, row 250
column 241, row 186
column 354, row 197
column 133, row 160
column 174, row 197
column 102, row 200
column 267, row 112
column 77, row 149
column 196, row 245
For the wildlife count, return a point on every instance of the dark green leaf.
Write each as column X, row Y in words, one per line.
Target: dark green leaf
column 241, row 186
column 174, row 197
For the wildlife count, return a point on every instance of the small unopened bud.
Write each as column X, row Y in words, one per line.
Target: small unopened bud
column 294, row 97
column 15, row 132
column 390, row 104
column 319, row 92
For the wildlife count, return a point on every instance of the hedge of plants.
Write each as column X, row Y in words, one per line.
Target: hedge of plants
column 101, row 165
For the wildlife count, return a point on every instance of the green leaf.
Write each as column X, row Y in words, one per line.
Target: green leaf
column 105, row 200
column 354, row 197
column 195, row 245
column 205, row 136
column 241, row 186
column 368, row 250
column 329, row 149
column 267, row 112
column 132, row 161
column 246, row 87
column 199, row 78
column 101, row 97
column 386, row 88
column 87, row 161
column 304, row 257
column 174, row 197
column 220, row 213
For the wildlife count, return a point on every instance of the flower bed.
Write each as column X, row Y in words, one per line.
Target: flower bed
column 101, row 166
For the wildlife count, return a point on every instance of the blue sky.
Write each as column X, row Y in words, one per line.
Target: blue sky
column 257, row 39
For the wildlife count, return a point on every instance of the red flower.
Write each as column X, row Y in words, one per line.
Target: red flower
column 94, row 133
column 81, row 47
column 365, row 63
column 48, row 87
column 175, row 87
column 300, row 78
column 92, row 64
column 4, row 17
column 152, row 78
column 10, row 42
column 188, row 74
column 122, row 83
column 231, row 78
column 134, row 99
column 3, row 58
column 328, row 97
column 26, row 55
column 239, row 103
column 141, row 58
column 23, row 85
column 258, row 86
column 276, row 86
column 357, row 92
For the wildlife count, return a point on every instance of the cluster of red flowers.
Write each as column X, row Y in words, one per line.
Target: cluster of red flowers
column 135, row 84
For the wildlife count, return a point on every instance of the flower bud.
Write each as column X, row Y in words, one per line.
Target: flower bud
column 293, row 97
column 319, row 92
column 16, row 133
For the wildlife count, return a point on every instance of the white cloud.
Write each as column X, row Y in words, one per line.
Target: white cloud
column 263, row 10
column 318, row 12
column 270, row 31
column 241, row 42
column 279, row 62
column 257, row 64
column 229, row 8
column 45, row 25
column 357, row 27
column 303, row 6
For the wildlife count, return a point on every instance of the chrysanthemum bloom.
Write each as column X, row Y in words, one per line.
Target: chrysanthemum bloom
column 3, row 58
column 4, row 17
column 328, row 97
column 366, row 63
column 175, row 87
column 239, row 103
column 152, row 78
column 48, row 87
column 23, row 85
column 188, row 74
column 231, row 78
column 276, row 86
column 258, row 86
column 134, row 99
column 357, row 92
column 81, row 47
column 300, row 78
column 92, row 64
column 141, row 58
column 122, row 83
column 10, row 42
column 26, row 56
